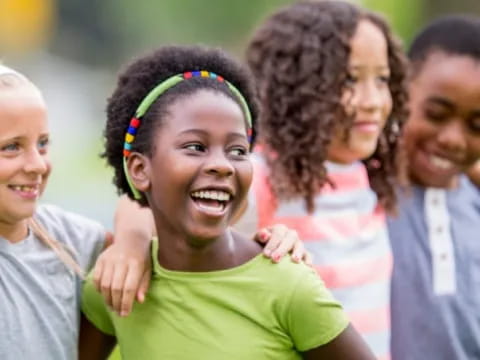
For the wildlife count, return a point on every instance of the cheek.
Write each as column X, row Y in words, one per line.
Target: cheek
column 347, row 101
column 387, row 104
column 245, row 176
column 474, row 148
column 48, row 164
column 9, row 168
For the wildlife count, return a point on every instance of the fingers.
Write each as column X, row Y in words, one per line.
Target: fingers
column 307, row 258
column 298, row 252
column 129, row 289
column 277, row 237
column 144, row 285
column 105, row 282
column 281, row 241
column 117, row 287
column 262, row 236
column 97, row 273
column 288, row 243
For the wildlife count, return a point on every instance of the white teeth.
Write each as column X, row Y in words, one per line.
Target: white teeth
column 441, row 163
column 212, row 194
column 24, row 188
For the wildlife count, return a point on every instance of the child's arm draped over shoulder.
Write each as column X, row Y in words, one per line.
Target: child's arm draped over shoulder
column 122, row 272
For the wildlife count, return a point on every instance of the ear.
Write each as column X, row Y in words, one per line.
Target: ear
column 138, row 166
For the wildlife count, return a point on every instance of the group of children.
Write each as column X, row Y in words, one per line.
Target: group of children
column 363, row 153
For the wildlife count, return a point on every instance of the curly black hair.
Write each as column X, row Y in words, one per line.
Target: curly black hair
column 144, row 74
column 299, row 57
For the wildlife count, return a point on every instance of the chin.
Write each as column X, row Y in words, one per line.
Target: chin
column 363, row 150
column 434, row 181
column 206, row 236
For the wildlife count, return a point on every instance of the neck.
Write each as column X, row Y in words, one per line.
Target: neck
column 14, row 232
column 184, row 253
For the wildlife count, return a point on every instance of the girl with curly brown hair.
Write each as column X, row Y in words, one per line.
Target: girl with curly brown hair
column 331, row 83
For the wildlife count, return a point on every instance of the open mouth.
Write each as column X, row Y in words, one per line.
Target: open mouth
column 211, row 201
column 29, row 191
column 441, row 163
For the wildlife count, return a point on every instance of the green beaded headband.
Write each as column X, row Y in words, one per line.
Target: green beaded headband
column 150, row 99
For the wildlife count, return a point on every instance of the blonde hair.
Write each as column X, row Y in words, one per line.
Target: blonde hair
column 10, row 78
column 59, row 249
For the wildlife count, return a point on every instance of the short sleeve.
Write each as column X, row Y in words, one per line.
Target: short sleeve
column 95, row 309
column 314, row 317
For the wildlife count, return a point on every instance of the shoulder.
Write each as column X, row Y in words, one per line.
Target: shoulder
column 85, row 236
column 57, row 219
column 309, row 312
column 291, row 278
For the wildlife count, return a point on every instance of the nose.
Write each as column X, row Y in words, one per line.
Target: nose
column 453, row 137
column 218, row 164
column 369, row 95
column 36, row 162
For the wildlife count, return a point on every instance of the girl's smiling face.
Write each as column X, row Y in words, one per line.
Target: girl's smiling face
column 199, row 170
column 24, row 163
column 367, row 96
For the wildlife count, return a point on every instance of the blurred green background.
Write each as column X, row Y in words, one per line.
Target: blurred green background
column 72, row 50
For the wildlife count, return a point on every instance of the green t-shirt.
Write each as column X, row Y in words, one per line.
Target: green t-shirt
column 258, row 310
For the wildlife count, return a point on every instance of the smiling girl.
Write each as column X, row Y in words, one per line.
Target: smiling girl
column 180, row 126
column 331, row 82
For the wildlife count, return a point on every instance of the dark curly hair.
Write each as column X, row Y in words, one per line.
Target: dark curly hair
column 145, row 73
column 299, row 57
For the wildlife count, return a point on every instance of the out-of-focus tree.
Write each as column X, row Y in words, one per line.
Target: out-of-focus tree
column 436, row 8
column 108, row 32
column 405, row 16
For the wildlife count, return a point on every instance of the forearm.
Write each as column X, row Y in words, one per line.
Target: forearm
column 132, row 222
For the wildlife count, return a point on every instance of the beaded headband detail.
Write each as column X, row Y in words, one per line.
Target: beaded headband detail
column 153, row 95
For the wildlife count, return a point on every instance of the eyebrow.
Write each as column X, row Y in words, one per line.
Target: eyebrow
column 441, row 101
column 450, row 105
column 360, row 67
column 18, row 138
column 205, row 133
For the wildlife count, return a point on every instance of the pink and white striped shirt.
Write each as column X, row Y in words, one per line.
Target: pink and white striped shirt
column 347, row 236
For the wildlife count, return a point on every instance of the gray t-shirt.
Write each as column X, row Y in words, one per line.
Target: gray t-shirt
column 436, row 278
column 39, row 295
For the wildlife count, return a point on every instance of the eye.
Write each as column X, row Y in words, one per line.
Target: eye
column 238, row 151
column 351, row 80
column 196, row 147
column 43, row 144
column 436, row 114
column 475, row 125
column 384, row 79
column 11, row 147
